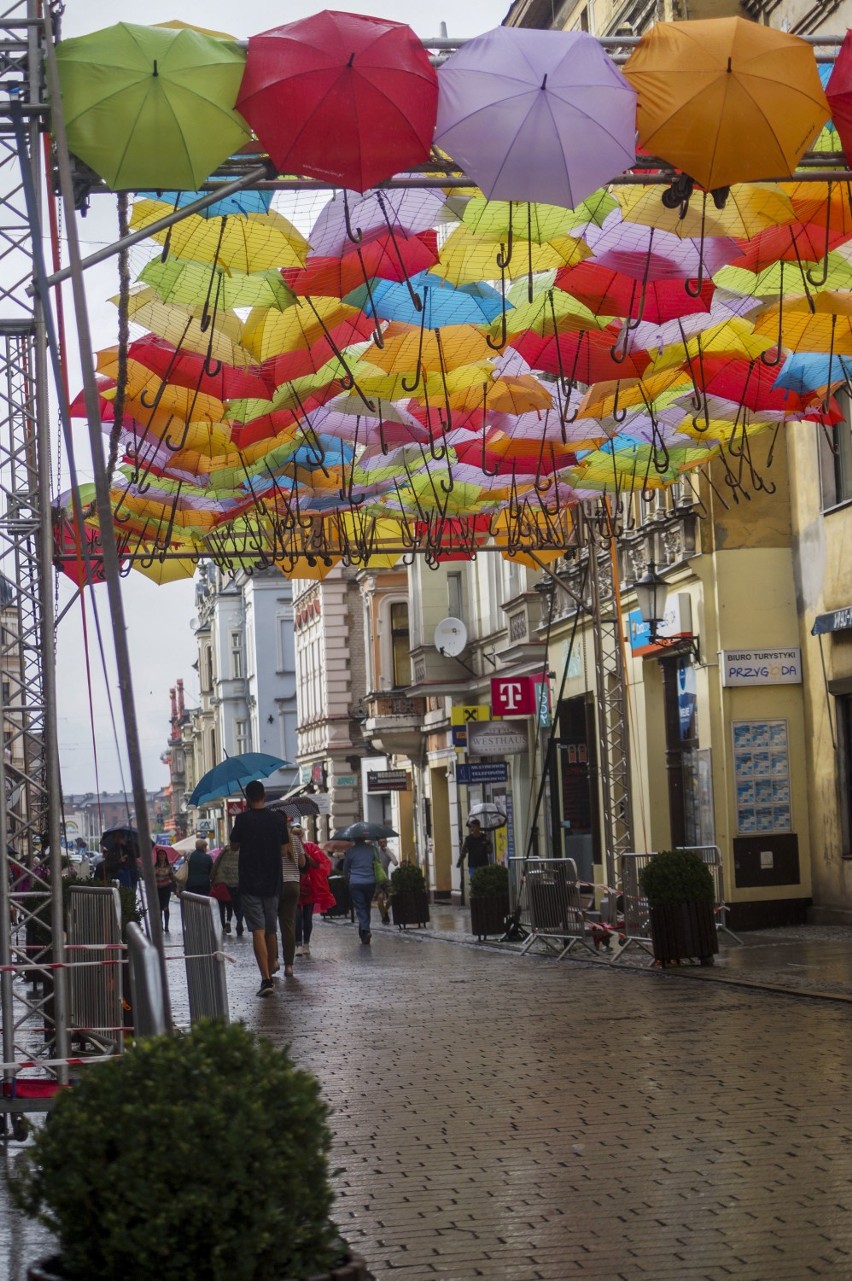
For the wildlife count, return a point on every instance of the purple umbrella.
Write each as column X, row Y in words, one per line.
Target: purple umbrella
column 536, row 115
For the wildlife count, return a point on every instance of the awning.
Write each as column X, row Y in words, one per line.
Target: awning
column 839, row 620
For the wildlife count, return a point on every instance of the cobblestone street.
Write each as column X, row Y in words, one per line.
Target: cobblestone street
column 518, row 1118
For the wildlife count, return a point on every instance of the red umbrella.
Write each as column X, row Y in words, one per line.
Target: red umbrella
column 839, row 93
column 386, row 258
column 187, row 369
column 580, row 357
column 612, row 293
column 308, row 360
column 341, row 96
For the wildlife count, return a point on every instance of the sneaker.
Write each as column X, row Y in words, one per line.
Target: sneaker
column 300, row 951
column 267, row 987
column 288, row 971
column 275, row 969
column 239, row 931
column 306, row 951
column 226, row 927
column 366, row 937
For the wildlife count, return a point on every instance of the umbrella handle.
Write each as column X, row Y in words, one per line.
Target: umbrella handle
column 819, row 281
column 504, row 257
column 503, row 323
column 419, row 370
column 357, row 235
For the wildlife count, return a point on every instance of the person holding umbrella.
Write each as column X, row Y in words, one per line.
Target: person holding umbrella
column 476, row 848
column 359, row 869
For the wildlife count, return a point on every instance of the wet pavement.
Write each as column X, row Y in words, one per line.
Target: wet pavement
column 518, row 1118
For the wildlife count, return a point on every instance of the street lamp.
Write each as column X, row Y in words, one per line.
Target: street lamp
column 650, row 592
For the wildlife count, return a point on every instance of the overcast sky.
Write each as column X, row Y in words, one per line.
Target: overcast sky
column 158, row 618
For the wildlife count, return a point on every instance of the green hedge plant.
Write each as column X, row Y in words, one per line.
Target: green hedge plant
column 676, row 876
column 491, row 881
column 407, row 879
column 201, row 1157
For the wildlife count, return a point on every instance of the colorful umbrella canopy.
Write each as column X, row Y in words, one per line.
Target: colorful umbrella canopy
column 341, row 96
column 536, row 115
column 726, row 100
column 151, row 106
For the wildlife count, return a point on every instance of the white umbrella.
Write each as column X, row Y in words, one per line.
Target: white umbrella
column 488, row 815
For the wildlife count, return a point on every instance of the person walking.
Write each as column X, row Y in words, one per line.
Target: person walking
column 314, row 893
column 200, row 869
column 476, row 848
column 361, row 877
column 226, row 873
column 387, row 861
column 165, row 884
column 293, row 860
column 260, row 835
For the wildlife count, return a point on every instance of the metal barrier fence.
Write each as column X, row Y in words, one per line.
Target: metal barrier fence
column 637, row 915
column 556, row 910
column 96, row 957
column 205, row 961
column 146, row 984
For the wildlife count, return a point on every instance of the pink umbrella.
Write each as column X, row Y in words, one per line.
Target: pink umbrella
column 536, row 115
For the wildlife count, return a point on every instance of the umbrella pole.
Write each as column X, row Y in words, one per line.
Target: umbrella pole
column 108, row 548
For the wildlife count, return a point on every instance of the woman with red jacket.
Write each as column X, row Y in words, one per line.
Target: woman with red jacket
column 314, row 894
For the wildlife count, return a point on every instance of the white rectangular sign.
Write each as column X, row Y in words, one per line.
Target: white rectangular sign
column 761, row 667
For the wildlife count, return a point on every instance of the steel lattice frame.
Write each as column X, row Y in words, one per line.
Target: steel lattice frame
column 33, row 998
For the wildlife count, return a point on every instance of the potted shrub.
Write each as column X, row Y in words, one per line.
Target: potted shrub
column 409, row 897
column 489, row 900
column 679, row 889
column 202, row 1156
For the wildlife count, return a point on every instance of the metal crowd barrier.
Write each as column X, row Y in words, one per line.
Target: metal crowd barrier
column 518, row 897
column 96, row 957
column 205, row 961
column 146, row 984
column 712, row 856
column 637, row 914
column 557, row 914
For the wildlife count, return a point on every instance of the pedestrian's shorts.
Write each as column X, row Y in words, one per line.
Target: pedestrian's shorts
column 260, row 913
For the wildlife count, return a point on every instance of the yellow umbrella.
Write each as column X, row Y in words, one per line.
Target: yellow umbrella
column 311, row 568
column 267, row 333
column 749, row 209
column 245, row 242
column 181, row 326
column 170, row 570
column 736, row 336
column 802, row 330
column 182, row 402
column 551, row 313
column 466, row 259
column 446, row 348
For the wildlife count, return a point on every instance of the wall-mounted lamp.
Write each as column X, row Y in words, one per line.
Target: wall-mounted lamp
column 651, row 592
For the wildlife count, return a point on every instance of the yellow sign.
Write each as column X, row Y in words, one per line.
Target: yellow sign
column 468, row 715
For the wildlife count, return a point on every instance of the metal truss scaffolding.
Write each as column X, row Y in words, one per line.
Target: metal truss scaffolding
column 31, row 942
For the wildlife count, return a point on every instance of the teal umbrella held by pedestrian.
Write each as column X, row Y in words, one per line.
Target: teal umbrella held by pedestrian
column 230, row 776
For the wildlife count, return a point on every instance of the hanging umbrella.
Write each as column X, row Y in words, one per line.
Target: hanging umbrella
column 256, row 242
column 441, row 303
column 181, row 280
column 614, row 293
column 726, row 100
column 536, row 115
column 230, row 776
column 341, row 96
column 343, row 222
column 383, row 257
column 839, row 93
column 149, row 106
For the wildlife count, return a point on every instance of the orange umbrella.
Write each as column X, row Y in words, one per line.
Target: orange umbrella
column 726, row 100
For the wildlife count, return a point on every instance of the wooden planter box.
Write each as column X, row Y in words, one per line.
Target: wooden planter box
column 410, row 909
column 488, row 915
column 680, row 931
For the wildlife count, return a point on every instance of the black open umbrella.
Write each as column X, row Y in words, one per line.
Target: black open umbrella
column 364, row 832
column 115, row 836
column 296, row 807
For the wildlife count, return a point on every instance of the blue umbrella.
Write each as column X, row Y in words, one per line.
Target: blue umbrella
column 239, row 202
column 807, row 371
column 230, row 776
column 444, row 304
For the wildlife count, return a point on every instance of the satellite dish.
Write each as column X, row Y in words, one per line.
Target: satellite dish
column 450, row 637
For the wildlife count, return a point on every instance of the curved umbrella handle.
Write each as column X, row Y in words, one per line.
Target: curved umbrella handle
column 357, row 235
column 504, row 333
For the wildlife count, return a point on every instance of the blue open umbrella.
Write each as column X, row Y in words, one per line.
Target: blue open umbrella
column 443, row 303
column 230, row 776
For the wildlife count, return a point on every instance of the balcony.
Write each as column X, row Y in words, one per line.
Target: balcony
column 394, row 722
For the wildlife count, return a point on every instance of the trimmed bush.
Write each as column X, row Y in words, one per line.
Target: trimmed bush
column 676, row 876
column 490, row 881
column 203, row 1156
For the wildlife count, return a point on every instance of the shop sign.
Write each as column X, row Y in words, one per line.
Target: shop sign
column 495, row 772
column 345, row 780
column 465, row 715
column 387, row 780
column 515, row 695
column 234, row 807
column 495, row 738
column 761, row 667
column 459, row 735
column 676, row 624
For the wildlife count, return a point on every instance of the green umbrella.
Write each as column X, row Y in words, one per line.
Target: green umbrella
column 178, row 280
column 151, row 106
